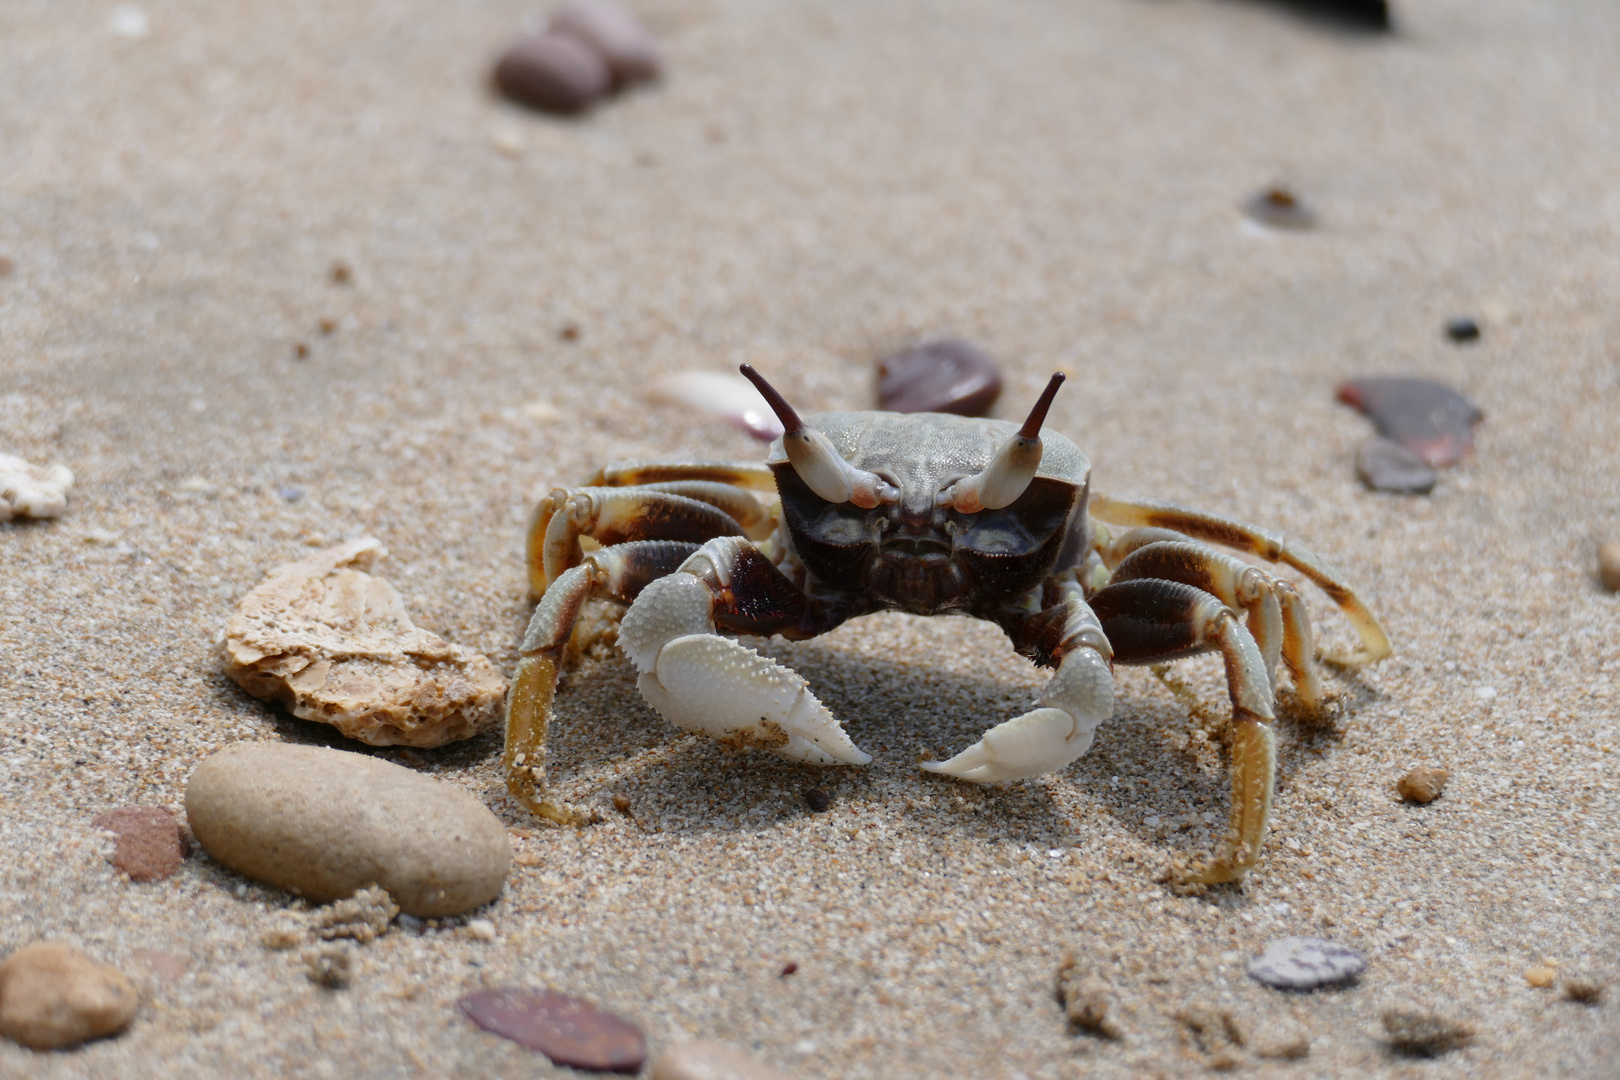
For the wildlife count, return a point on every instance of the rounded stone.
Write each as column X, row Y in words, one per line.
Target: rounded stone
column 1609, row 565
column 710, row 1059
column 326, row 823
column 52, row 996
column 947, row 375
column 553, row 72
column 1386, row 465
column 1423, row 784
column 1305, row 963
column 615, row 34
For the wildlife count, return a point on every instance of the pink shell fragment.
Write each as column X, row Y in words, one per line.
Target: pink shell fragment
column 1430, row 419
column 728, row 396
column 567, row 1030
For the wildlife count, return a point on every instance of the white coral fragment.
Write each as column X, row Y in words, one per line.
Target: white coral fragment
column 333, row 644
column 38, row 491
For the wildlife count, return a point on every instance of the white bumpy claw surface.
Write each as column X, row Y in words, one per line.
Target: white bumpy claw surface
column 37, row 491
column 1045, row 739
column 713, row 686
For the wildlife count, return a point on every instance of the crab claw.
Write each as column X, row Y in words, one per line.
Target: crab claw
column 1058, row 731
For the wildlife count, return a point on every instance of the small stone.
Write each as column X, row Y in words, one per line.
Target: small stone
column 335, row 645
column 290, row 492
column 330, row 966
column 328, row 326
column 614, row 34
column 1540, row 977
column 1386, row 465
column 569, row 332
column 710, row 1059
column 341, row 273
column 1462, row 330
column 1422, row 785
column 364, row 917
column 1306, row 963
column 324, row 824
column 1609, row 565
column 1420, row 1032
column 948, row 376
column 789, row 968
column 1279, row 208
column 1088, row 1000
column 553, row 72
column 1584, row 990
column 32, row 491
column 481, row 929
column 301, row 350
column 817, row 799
column 52, row 996
column 1432, row 420
column 566, row 1030
column 150, row 845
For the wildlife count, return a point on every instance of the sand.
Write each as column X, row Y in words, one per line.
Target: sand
column 812, row 186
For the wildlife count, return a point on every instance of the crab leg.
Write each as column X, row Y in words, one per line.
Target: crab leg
column 744, row 474
column 1240, row 536
column 1277, row 619
column 1078, row 697
column 619, row 572
column 1149, row 621
column 714, row 686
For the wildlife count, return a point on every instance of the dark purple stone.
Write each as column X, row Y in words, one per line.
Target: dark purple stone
column 947, row 376
column 553, row 72
column 1432, row 420
column 567, row 1030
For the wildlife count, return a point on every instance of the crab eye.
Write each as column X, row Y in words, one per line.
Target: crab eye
column 1009, row 473
column 817, row 461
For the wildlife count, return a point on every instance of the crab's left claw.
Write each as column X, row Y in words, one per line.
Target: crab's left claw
column 1058, row 731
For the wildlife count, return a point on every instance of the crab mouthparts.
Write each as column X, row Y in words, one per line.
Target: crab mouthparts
column 916, row 547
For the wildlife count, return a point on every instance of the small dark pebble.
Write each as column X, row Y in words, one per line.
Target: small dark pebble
column 1419, row 1032
column 568, row 1031
column 614, row 34
column 948, row 376
column 552, row 72
column 789, row 968
column 817, row 799
column 301, row 350
column 1279, row 208
column 1362, row 15
column 341, row 274
column 1386, row 465
column 569, row 332
column 291, row 492
column 150, row 843
column 1462, row 330
column 1428, row 418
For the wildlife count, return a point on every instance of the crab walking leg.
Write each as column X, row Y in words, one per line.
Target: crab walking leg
column 1149, row 621
column 1277, row 618
column 714, row 686
column 620, row 572
column 745, row 474
column 1078, row 697
column 613, row 516
column 1229, row 532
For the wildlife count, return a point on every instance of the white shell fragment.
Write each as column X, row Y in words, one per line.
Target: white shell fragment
column 1305, row 963
column 728, row 396
column 334, row 644
column 36, row 491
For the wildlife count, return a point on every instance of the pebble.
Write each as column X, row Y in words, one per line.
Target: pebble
column 325, row 823
column 614, row 34
column 1279, row 208
column 1540, row 977
column 32, row 491
column 1431, row 420
column 1423, row 784
column 566, row 1030
column 1462, row 330
column 1420, row 1032
column 817, row 799
column 481, row 929
column 52, row 996
column 150, row 844
column 710, row 1059
column 1386, row 465
column 1305, row 963
column 1609, row 565
column 553, row 72
column 948, row 376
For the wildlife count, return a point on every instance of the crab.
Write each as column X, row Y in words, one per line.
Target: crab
column 930, row 514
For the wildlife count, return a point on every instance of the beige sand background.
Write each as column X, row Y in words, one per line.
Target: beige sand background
column 813, row 185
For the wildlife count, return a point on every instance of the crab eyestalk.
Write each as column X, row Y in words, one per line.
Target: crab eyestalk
column 1016, row 462
column 816, row 460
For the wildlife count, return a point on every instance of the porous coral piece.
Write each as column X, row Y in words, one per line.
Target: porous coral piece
column 333, row 644
column 37, row 491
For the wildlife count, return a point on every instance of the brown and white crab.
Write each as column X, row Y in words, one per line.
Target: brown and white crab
column 930, row 514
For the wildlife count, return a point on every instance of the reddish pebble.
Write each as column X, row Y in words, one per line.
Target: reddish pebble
column 1279, row 208
column 150, row 846
column 568, row 1031
column 615, row 35
column 553, row 72
column 947, row 376
column 1431, row 420
column 789, row 968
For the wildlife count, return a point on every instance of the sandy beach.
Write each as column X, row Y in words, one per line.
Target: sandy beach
column 810, row 187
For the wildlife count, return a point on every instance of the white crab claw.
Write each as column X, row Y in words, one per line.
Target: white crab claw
column 714, row 686
column 1040, row 741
